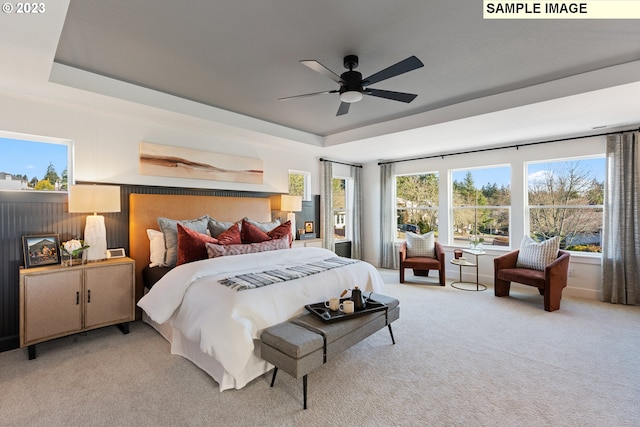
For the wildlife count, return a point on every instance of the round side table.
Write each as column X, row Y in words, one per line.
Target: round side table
column 467, row 286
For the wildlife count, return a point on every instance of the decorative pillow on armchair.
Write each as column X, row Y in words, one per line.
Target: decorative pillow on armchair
column 537, row 255
column 420, row 245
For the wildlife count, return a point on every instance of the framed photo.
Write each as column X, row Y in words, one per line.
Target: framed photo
column 308, row 226
column 43, row 249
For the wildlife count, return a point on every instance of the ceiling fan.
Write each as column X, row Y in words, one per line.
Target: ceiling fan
column 353, row 86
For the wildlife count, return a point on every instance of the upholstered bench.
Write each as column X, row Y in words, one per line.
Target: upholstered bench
column 306, row 342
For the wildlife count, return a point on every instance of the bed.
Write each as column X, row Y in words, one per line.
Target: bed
column 197, row 306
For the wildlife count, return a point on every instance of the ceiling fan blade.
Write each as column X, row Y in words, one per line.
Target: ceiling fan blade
column 343, row 108
column 401, row 67
column 395, row 96
column 308, row 94
column 319, row 68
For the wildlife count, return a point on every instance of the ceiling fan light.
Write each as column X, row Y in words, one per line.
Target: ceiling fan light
column 351, row 96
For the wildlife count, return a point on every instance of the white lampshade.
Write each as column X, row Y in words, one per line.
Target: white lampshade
column 95, row 199
column 290, row 203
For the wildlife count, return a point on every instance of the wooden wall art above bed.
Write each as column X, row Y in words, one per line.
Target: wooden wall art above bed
column 144, row 210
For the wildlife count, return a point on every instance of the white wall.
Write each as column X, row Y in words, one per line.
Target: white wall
column 106, row 137
column 585, row 272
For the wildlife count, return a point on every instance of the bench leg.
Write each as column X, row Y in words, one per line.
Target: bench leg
column 273, row 379
column 391, row 332
column 304, row 390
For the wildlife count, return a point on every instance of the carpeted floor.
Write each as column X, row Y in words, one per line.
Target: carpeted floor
column 460, row 359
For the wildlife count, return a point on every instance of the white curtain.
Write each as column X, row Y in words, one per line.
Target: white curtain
column 356, row 241
column 387, row 217
column 326, row 205
column 621, row 234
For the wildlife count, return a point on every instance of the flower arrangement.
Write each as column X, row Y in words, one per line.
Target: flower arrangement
column 475, row 241
column 72, row 249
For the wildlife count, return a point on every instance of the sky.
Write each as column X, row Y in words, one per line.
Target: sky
column 31, row 158
column 502, row 175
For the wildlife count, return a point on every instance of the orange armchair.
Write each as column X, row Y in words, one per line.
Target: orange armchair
column 549, row 282
column 422, row 265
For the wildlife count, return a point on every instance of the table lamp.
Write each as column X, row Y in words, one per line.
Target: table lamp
column 291, row 204
column 95, row 199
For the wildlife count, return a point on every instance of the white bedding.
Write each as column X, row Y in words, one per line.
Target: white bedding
column 226, row 322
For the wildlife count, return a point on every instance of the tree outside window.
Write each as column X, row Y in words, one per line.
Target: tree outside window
column 565, row 198
column 481, row 206
column 33, row 165
column 300, row 184
column 417, row 203
column 341, row 197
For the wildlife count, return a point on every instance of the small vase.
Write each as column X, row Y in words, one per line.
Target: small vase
column 71, row 260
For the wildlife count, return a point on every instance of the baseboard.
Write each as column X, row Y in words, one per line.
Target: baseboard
column 9, row 343
column 581, row 293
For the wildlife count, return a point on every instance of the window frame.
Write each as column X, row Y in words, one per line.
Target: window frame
column 45, row 140
column 306, row 196
column 452, row 206
column 435, row 208
column 348, row 211
column 529, row 206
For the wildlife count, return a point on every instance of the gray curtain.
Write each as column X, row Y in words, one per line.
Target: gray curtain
column 356, row 242
column 326, row 205
column 387, row 217
column 621, row 234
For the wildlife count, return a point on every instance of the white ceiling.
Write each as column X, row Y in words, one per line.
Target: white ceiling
column 484, row 83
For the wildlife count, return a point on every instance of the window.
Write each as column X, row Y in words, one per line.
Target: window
column 565, row 198
column 33, row 163
column 481, row 205
column 300, row 184
column 342, row 206
column 417, row 203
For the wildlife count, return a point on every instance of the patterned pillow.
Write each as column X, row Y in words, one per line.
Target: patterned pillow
column 169, row 228
column 231, row 236
column 191, row 245
column 537, row 255
column 422, row 245
column 215, row 251
column 249, row 233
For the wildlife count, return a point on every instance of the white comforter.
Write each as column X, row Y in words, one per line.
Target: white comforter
column 225, row 322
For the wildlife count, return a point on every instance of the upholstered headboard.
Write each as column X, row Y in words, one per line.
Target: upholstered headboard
column 144, row 210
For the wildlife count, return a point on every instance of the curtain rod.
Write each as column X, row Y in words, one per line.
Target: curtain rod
column 516, row 146
column 341, row 163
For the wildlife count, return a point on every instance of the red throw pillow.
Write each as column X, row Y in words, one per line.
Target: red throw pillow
column 249, row 233
column 191, row 245
column 281, row 231
column 231, row 236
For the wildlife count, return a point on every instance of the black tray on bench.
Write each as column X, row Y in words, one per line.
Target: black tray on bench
column 328, row 315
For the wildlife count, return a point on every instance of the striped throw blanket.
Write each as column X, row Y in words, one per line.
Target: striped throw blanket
column 243, row 282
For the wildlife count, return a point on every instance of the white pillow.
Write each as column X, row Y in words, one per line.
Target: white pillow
column 156, row 248
column 422, row 245
column 537, row 255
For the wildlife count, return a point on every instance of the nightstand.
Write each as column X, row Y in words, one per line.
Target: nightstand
column 306, row 243
column 56, row 301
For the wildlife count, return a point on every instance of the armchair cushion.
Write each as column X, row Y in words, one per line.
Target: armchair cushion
column 420, row 245
column 537, row 255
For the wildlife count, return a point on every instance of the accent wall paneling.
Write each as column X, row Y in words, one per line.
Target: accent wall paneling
column 29, row 213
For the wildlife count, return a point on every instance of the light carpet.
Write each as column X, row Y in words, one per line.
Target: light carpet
column 461, row 359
